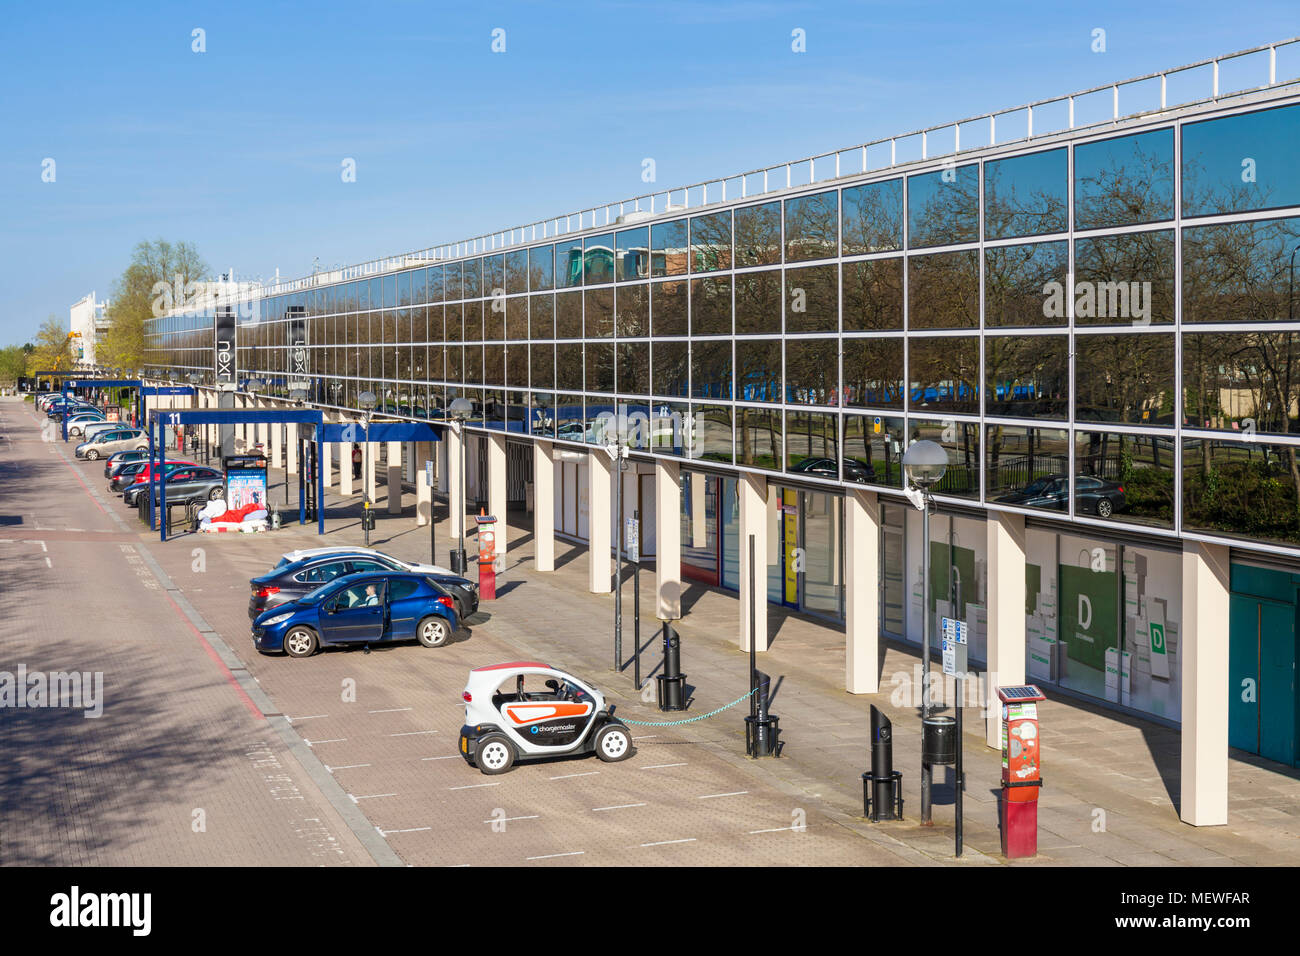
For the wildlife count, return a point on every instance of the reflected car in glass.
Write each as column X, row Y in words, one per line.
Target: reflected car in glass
column 1094, row 496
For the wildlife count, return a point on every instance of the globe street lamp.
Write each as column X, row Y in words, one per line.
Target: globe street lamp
column 459, row 411
column 366, row 401
column 924, row 464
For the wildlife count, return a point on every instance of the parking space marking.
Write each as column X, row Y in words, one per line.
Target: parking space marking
column 349, row 766
column 660, row 766
column 312, row 717
column 568, row 775
column 475, row 786
column 552, row 856
column 393, row 710
column 669, row 842
column 370, row 796
column 412, row 733
column 780, row 829
column 448, row 757
column 645, row 736
column 621, row 806
column 407, row 830
column 710, row 796
column 509, row 819
column 332, row 740
column 47, row 562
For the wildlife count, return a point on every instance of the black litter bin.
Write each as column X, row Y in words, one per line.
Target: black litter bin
column 939, row 740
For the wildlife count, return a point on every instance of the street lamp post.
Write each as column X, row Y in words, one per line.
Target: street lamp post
column 299, row 398
column 460, row 411
column 617, row 450
column 924, row 463
column 366, row 401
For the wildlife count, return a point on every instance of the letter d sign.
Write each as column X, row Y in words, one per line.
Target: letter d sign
column 1085, row 612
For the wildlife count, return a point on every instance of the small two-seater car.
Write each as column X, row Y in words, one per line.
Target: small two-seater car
column 359, row 609
column 507, row 719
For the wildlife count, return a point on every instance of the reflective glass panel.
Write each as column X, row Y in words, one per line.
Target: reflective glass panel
column 711, row 306
column 812, row 299
column 812, row 371
column 1028, row 376
column 669, row 252
column 1126, row 478
column 1124, row 378
column 1124, row 181
column 873, row 218
column 812, row 227
column 945, row 373
column 711, row 369
column 873, row 294
column 1122, row 280
column 1018, row 284
column 1028, row 467
column 1241, row 271
column 1242, row 162
column 758, row 302
column 944, row 291
column 758, row 370
column 943, row 207
column 711, row 242
column 1025, row 195
column 598, row 258
column 873, row 373
column 632, row 254
column 758, row 235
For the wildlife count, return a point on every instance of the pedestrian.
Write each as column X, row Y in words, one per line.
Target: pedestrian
column 356, row 461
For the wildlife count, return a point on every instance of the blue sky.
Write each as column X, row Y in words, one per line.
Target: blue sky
column 239, row 149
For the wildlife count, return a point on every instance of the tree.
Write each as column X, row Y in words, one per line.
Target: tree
column 51, row 349
column 160, row 277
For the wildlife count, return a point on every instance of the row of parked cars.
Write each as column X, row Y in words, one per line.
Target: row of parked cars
column 343, row 595
column 100, row 437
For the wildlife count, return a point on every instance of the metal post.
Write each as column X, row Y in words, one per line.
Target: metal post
column 284, row 444
column 925, row 656
column 433, row 507
column 961, row 781
column 320, row 480
column 460, row 434
column 302, row 488
column 365, row 481
column 753, row 661
column 636, row 606
column 618, row 559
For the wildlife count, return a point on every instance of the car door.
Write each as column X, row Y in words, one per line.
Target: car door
column 355, row 614
column 408, row 599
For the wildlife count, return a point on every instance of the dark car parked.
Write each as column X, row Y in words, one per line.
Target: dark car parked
column 288, row 582
column 1092, row 495
column 185, row 484
column 115, row 461
column 825, row 468
column 129, row 473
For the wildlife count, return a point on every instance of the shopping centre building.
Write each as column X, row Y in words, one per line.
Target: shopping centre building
column 1089, row 302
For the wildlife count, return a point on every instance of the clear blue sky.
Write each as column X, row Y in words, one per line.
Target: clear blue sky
column 238, row 149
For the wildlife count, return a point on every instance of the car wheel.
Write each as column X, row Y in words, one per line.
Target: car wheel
column 216, row 494
column 141, row 447
column 300, row 642
column 74, row 431
column 1104, row 508
column 433, row 631
column 494, row 755
column 92, row 455
column 613, row 743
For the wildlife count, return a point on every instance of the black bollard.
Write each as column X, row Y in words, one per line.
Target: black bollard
column 762, row 727
column 670, row 685
column 882, row 788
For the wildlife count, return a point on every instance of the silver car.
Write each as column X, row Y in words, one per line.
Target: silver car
column 108, row 442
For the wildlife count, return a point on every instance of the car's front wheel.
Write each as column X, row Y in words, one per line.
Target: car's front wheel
column 613, row 743
column 92, row 455
column 1104, row 508
column 300, row 642
column 433, row 631
column 494, row 754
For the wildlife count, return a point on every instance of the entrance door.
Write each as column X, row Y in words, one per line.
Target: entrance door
column 1262, row 679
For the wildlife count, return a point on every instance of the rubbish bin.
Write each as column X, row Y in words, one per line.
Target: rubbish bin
column 939, row 740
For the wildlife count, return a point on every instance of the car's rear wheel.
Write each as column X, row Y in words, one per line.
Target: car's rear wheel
column 494, row 754
column 141, row 447
column 300, row 642
column 216, row 494
column 613, row 743
column 92, row 454
column 1104, row 508
column 433, row 631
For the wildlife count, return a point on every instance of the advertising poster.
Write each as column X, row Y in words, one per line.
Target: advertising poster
column 790, row 536
column 245, row 488
column 1088, row 614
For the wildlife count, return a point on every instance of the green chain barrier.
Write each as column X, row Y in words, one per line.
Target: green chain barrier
column 689, row 720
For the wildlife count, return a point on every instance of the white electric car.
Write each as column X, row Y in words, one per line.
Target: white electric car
column 525, row 710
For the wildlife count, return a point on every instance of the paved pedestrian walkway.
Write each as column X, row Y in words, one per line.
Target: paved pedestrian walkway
column 1111, row 781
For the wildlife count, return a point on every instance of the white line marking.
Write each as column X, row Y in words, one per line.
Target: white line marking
column 412, row 733
column 346, row 766
column 508, row 819
column 645, row 736
column 312, row 717
column 552, row 856
column 660, row 766
column 780, row 829
column 332, row 740
column 621, row 806
column 47, row 563
column 371, row 796
column 393, row 711
column 568, row 775
column 667, row 842
column 449, row 757
column 475, row 786
column 734, row 793
column 408, row 830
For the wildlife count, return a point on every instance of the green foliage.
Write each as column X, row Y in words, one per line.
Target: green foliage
column 1256, row 498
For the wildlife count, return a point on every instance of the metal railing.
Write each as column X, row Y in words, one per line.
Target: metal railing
column 915, row 146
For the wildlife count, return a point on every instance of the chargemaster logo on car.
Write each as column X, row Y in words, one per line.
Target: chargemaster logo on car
column 553, row 728
column 77, row 690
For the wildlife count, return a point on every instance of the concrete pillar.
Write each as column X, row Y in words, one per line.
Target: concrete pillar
column 394, row 477
column 1203, row 781
column 544, row 506
column 496, row 464
column 752, row 491
column 325, row 461
column 699, row 518
column 275, row 434
column 291, row 448
column 862, row 592
column 456, row 444
column 345, row 462
column 423, row 451
column 600, row 478
column 369, row 466
column 668, row 539
column 1006, row 614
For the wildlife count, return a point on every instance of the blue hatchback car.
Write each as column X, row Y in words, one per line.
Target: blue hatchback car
column 367, row 608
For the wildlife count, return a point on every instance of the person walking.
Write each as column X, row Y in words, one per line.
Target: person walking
column 356, row 461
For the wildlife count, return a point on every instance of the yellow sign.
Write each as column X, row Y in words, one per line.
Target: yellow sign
column 790, row 525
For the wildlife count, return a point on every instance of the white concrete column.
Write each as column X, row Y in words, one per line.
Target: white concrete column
column 394, row 477
column 369, row 466
column 456, row 444
column 752, row 491
column 668, row 539
column 291, row 448
column 699, row 518
column 600, row 477
column 1203, row 781
column 496, row 464
column 861, row 592
column 422, row 452
column 345, row 464
column 544, row 506
column 1006, row 614
column 325, row 461
column 274, row 434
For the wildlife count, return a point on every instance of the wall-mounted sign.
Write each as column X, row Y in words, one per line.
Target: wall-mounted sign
column 224, row 346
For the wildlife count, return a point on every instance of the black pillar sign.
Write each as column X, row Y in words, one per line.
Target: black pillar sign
column 297, row 343
column 224, row 356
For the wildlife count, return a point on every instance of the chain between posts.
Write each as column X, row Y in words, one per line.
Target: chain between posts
column 691, row 720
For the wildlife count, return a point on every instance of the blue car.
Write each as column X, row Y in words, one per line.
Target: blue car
column 366, row 608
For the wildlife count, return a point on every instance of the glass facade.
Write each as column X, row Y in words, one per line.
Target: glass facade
column 1099, row 330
